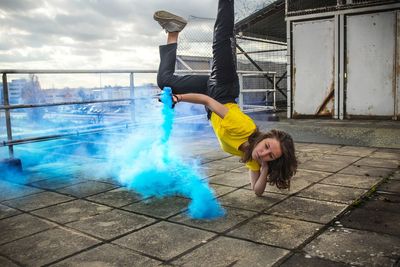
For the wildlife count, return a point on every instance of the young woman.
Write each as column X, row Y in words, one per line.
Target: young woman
column 270, row 157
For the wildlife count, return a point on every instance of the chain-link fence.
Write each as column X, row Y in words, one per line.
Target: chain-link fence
column 195, row 52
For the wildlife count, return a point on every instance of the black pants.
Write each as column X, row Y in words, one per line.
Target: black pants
column 222, row 84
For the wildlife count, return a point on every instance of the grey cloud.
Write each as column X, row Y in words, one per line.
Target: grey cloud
column 19, row 5
column 93, row 25
column 18, row 57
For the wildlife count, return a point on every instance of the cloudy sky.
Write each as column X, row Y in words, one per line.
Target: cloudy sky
column 87, row 34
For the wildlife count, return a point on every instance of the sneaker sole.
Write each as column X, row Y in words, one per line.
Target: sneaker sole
column 165, row 16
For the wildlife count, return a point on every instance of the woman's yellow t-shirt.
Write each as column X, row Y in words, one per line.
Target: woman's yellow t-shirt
column 234, row 130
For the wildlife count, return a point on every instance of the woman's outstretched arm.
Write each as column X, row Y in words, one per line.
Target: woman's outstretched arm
column 211, row 103
column 259, row 180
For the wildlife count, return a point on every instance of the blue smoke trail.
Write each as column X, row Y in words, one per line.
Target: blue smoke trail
column 153, row 169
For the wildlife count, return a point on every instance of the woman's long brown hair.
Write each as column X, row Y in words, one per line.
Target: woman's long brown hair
column 282, row 169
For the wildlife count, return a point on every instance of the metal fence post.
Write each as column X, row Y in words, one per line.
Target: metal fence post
column 274, row 78
column 241, row 91
column 6, row 103
column 132, row 95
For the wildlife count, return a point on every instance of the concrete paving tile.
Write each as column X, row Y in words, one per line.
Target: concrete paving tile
column 233, row 217
column 108, row 255
column 10, row 190
column 277, row 231
column 220, row 190
column 316, row 148
column 389, row 150
column 367, row 171
column 225, row 251
column 352, row 180
column 4, row 262
column 20, row 226
column 308, row 209
column 223, row 165
column 384, row 202
column 378, row 162
column 6, row 212
column 386, row 154
column 301, row 180
column 212, row 156
column 324, row 165
column 71, row 211
column 209, row 172
column 86, row 189
column 395, row 176
column 246, row 199
column 341, row 158
column 111, row 224
column 333, row 193
column 50, row 174
column 160, row 208
column 355, row 247
column 235, row 179
column 242, row 169
column 391, row 186
column 46, row 247
column 300, row 260
column 354, row 151
column 37, row 201
column 164, row 240
column 57, row 183
column 117, row 198
column 373, row 220
column 303, row 157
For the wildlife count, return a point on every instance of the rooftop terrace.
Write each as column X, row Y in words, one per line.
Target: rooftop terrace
column 342, row 209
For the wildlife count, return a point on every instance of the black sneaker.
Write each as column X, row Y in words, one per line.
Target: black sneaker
column 170, row 22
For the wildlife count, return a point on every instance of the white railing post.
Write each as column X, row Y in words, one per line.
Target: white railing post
column 241, row 90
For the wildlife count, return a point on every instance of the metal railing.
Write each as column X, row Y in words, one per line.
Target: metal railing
column 7, row 107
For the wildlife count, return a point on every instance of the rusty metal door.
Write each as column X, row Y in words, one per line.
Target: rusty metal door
column 313, row 68
column 370, row 64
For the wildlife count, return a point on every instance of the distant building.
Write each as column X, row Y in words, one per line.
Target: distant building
column 15, row 89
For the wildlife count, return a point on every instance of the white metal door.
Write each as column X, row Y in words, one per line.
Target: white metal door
column 313, row 67
column 370, row 59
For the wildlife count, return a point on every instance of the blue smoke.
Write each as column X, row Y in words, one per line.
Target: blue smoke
column 152, row 167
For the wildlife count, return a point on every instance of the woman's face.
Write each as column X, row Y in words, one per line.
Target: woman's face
column 267, row 150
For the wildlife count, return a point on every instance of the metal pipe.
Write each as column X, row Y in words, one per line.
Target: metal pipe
column 62, row 103
column 289, row 68
column 257, row 90
column 263, row 51
column 68, row 71
column 8, row 115
column 241, row 91
column 44, row 71
column 259, row 40
column 274, row 92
